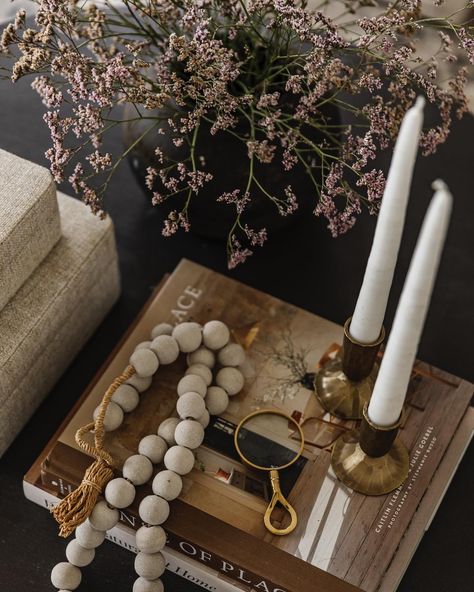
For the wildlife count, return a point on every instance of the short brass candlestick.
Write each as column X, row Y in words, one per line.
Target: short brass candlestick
column 344, row 384
column 371, row 460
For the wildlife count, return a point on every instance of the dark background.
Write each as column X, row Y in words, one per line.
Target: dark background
column 302, row 265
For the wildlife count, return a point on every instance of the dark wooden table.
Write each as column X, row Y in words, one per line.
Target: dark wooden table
column 302, row 265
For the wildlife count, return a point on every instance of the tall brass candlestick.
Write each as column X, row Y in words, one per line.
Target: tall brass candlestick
column 371, row 460
column 345, row 383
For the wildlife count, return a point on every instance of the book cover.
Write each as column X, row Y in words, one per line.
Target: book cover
column 179, row 562
column 344, row 540
column 124, row 536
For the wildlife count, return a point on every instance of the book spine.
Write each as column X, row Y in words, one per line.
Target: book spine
column 124, row 536
column 128, row 520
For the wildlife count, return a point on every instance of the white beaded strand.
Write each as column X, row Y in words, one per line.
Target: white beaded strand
column 173, row 444
column 167, row 484
column 126, row 397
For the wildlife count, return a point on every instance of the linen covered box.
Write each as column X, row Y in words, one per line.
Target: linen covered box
column 29, row 221
column 53, row 314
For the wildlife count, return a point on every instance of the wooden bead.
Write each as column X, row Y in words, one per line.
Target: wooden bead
column 161, row 329
column 88, row 537
column 202, row 356
column 113, row 417
column 232, row 354
column 153, row 510
column 216, row 400
column 166, row 348
column 143, row 585
column 119, row 493
column 188, row 336
column 153, row 447
column 140, row 383
column 179, row 459
column 137, row 469
column 167, row 484
column 145, row 362
column 215, row 334
column 192, row 383
column 189, row 433
column 66, row 576
column 150, row 539
column 201, row 370
column 143, row 345
column 204, row 419
column 166, row 430
column 231, row 380
column 79, row 556
column 103, row 517
column 126, row 397
column 190, row 405
column 149, row 565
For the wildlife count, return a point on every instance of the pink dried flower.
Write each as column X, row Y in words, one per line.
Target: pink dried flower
column 237, row 253
column 151, row 176
column 262, row 150
column 51, row 95
column 291, row 204
column 233, row 197
column 256, row 237
column 263, row 71
column 157, row 198
column 466, row 41
column 374, row 181
column 98, row 161
column 339, row 222
column 268, row 100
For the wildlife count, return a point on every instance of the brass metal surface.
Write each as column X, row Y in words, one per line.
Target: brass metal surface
column 345, row 383
column 277, row 496
column 339, row 395
column 371, row 475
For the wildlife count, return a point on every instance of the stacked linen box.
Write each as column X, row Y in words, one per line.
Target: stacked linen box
column 58, row 279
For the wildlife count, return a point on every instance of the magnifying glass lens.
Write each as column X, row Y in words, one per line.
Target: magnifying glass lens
column 265, row 441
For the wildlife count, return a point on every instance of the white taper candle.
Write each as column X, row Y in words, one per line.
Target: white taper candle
column 392, row 381
column 370, row 309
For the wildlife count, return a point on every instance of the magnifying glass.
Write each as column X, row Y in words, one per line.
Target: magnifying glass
column 265, row 440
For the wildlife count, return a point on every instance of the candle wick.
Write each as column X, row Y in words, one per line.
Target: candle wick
column 438, row 185
column 420, row 102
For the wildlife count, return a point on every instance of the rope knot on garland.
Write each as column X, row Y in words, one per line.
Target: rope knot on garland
column 77, row 506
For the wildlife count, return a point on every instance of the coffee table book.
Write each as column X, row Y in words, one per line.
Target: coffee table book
column 344, row 541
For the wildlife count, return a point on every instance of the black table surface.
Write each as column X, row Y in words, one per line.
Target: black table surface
column 302, row 265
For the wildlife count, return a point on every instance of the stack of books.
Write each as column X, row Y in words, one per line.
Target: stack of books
column 344, row 541
column 58, row 279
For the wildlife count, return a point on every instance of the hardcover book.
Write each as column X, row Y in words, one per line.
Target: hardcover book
column 344, row 540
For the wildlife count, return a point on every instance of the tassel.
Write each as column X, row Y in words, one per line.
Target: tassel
column 78, row 505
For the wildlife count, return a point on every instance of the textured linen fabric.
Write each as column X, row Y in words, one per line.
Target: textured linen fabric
column 29, row 221
column 53, row 314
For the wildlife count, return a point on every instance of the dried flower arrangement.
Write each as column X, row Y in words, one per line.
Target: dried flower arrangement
column 269, row 65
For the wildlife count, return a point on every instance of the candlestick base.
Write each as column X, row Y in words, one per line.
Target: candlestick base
column 371, row 460
column 344, row 384
column 341, row 396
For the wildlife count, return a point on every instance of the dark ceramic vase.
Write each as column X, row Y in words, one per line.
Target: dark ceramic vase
column 226, row 157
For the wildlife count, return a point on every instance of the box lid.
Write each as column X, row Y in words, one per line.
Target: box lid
column 29, row 221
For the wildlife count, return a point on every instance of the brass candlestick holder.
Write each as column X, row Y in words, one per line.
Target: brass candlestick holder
column 344, row 384
column 371, row 460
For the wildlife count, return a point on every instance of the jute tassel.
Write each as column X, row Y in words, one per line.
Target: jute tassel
column 78, row 505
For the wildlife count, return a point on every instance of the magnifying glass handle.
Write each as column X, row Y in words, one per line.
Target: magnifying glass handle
column 279, row 497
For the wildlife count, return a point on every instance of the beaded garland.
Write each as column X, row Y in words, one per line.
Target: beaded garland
column 172, row 445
